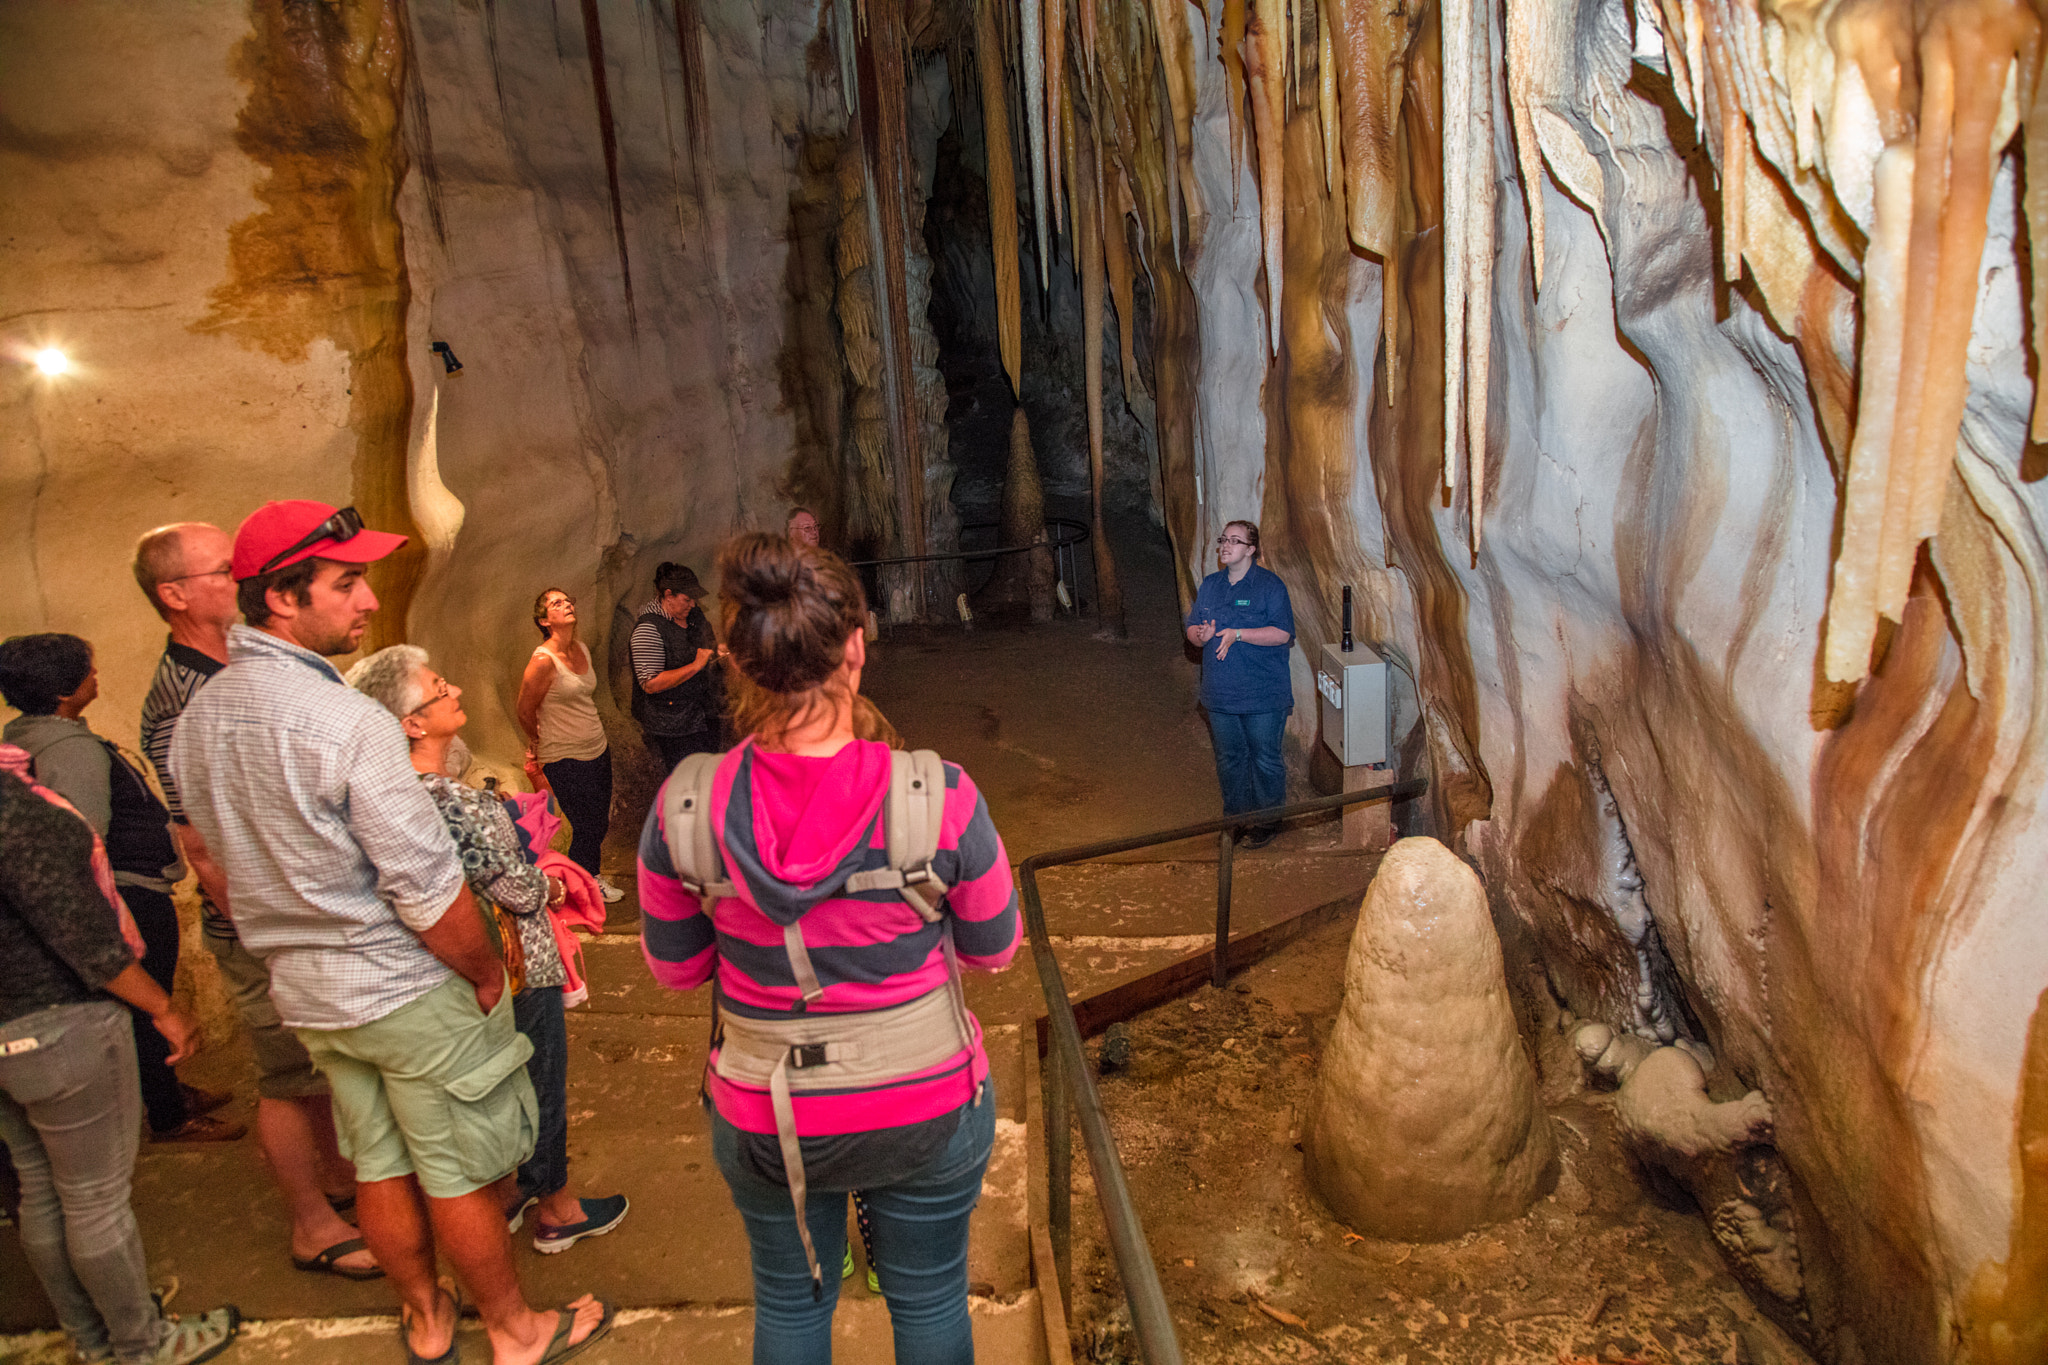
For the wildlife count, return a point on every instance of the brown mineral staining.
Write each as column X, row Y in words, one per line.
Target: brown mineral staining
column 2005, row 1310
column 324, row 259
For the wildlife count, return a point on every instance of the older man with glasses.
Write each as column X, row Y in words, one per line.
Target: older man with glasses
column 186, row 570
column 1243, row 622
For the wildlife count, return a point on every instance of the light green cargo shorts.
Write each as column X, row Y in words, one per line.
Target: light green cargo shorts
column 436, row 1088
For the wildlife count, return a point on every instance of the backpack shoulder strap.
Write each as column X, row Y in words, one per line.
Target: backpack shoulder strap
column 686, row 823
column 912, row 817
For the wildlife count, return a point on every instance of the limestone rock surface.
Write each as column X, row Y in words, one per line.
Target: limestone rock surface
column 1425, row 1122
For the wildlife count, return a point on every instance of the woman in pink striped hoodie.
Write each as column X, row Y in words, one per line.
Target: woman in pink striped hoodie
column 797, row 810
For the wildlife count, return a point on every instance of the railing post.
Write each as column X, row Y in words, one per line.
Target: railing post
column 1059, row 1173
column 1226, row 843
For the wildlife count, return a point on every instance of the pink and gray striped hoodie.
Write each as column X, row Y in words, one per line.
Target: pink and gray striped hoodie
column 792, row 830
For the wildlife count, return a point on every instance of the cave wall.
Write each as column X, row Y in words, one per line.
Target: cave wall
column 247, row 223
column 1843, row 878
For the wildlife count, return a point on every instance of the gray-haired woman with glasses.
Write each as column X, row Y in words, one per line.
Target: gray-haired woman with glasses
column 1243, row 622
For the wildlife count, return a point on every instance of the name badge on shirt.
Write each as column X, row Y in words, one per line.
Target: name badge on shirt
column 19, row 1046
column 1243, row 602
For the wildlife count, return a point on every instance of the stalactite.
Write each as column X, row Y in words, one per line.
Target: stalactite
column 2035, row 206
column 1176, row 61
column 1526, row 21
column 1369, row 41
column 1176, row 184
column 1055, row 86
column 1326, row 101
column 1852, row 607
column 1231, row 51
column 696, row 98
column 1064, row 134
column 1734, row 146
column 1264, row 65
column 1032, row 41
column 1479, row 265
column 885, row 143
column 1457, row 139
column 1109, row 595
column 1002, row 193
column 1086, row 13
column 593, row 38
column 1117, row 254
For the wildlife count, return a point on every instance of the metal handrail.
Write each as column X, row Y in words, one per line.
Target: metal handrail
column 1142, row 1290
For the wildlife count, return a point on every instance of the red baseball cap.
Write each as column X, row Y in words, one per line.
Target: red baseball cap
column 278, row 535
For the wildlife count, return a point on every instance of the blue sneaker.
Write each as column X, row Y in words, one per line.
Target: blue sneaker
column 599, row 1217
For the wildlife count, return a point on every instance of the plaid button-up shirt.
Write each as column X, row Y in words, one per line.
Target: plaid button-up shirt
column 335, row 855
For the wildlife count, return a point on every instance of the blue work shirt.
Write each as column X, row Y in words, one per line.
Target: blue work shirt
column 1253, row 678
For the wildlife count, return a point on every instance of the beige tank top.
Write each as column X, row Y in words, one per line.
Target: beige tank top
column 569, row 727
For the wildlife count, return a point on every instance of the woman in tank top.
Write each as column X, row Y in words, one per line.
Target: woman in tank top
column 558, row 712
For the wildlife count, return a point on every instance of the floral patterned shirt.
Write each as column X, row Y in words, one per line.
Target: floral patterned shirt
column 494, row 864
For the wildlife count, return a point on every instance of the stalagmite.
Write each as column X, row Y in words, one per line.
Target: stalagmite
column 1002, row 192
column 1264, row 62
column 1109, row 597
column 1326, row 102
column 1457, row 135
column 1033, row 42
column 1425, row 1122
column 1023, row 578
column 1479, row 267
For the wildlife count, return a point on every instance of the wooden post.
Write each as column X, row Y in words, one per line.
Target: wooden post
column 1369, row 824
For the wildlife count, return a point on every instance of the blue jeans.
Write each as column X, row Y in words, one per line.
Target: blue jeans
column 538, row 1012
column 920, row 1250
column 70, row 1113
column 1249, row 765
column 583, row 786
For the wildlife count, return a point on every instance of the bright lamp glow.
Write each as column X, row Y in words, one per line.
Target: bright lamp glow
column 50, row 360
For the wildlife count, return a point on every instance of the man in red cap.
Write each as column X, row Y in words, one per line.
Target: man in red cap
column 344, row 880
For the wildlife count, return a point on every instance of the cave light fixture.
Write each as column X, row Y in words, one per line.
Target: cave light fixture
column 51, row 361
column 447, row 354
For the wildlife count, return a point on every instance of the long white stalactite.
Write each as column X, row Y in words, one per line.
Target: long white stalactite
column 1033, row 41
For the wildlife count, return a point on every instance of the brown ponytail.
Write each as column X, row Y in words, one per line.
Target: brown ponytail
column 788, row 608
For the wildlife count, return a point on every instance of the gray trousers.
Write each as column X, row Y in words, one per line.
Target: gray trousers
column 71, row 1115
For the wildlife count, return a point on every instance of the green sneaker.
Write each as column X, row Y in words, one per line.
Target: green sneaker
column 846, row 1271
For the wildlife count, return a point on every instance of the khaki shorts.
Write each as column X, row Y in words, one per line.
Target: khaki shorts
column 283, row 1070
column 435, row 1089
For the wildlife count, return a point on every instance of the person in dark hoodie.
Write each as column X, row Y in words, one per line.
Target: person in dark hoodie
column 51, row 679
column 796, row 811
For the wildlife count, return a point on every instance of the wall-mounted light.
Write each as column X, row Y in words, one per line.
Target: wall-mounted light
column 52, row 361
column 447, row 354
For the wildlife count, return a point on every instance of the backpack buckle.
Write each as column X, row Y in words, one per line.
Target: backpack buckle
column 804, row 1055
column 917, row 876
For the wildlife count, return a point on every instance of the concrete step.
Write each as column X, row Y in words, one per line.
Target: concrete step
column 1006, row 1332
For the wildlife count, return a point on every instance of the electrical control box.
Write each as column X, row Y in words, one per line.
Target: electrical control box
column 1353, row 690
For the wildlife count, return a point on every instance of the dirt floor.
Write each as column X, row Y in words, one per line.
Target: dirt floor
column 1207, row 1116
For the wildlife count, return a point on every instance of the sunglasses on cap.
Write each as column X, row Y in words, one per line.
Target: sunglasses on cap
column 345, row 524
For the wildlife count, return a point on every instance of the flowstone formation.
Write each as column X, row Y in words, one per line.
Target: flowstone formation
column 1425, row 1122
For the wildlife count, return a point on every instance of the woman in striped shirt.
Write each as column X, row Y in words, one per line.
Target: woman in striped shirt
column 796, row 810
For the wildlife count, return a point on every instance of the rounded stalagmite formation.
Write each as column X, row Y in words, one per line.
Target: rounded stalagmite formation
column 1425, row 1122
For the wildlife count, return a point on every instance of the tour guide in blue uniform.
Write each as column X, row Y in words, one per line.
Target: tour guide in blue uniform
column 1243, row 622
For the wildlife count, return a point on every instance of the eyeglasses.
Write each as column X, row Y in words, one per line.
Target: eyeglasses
column 443, row 690
column 346, row 524
column 224, row 571
column 1231, row 540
